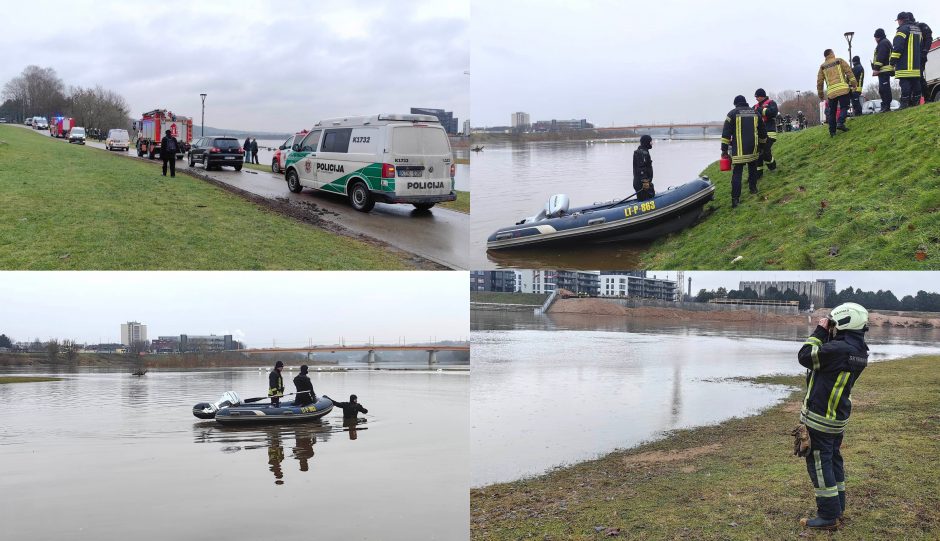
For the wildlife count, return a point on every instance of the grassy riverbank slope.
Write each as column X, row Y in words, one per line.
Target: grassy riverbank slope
column 738, row 480
column 69, row 207
column 25, row 379
column 872, row 194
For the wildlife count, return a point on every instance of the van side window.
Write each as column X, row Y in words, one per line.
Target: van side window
column 336, row 140
column 309, row 144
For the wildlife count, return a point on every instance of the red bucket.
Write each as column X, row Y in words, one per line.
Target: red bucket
column 724, row 164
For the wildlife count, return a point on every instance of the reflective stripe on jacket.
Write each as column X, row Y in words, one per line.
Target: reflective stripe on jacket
column 743, row 131
column 275, row 383
column 838, row 77
column 906, row 52
column 882, row 59
column 833, row 367
column 767, row 110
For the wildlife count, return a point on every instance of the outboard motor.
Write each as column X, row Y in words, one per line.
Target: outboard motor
column 557, row 206
column 205, row 410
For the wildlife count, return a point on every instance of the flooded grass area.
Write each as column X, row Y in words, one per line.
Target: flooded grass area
column 26, row 379
column 739, row 480
column 108, row 452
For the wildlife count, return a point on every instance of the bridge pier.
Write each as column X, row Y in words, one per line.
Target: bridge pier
column 432, row 357
column 371, row 356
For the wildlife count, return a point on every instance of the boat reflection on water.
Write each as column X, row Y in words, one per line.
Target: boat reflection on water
column 292, row 440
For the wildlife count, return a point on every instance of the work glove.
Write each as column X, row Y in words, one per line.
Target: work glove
column 801, row 441
column 646, row 184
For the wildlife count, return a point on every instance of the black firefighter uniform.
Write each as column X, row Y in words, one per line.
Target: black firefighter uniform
column 744, row 132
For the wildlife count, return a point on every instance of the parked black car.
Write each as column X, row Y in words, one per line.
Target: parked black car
column 216, row 152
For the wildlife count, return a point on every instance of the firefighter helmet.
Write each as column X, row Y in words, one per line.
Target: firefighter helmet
column 849, row 317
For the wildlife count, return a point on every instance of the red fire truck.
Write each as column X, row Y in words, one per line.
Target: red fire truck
column 151, row 127
column 60, row 126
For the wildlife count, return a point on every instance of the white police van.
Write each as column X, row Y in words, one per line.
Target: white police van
column 381, row 158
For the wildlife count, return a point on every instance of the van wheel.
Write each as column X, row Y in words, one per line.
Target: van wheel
column 423, row 206
column 360, row 197
column 293, row 182
column 275, row 167
column 238, row 167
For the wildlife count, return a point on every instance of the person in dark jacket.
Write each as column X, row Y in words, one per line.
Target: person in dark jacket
column 247, row 149
column 169, row 146
column 882, row 69
column 254, row 150
column 276, row 384
column 926, row 39
column 350, row 409
column 767, row 109
column 905, row 57
column 305, row 394
column 859, row 72
column 643, row 170
column 745, row 134
column 834, row 357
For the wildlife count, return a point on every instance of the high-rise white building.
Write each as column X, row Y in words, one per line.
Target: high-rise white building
column 133, row 331
column 466, row 127
column 520, row 120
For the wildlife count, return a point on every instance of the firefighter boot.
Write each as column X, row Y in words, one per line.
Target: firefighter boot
column 841, row 127
column 817, row 523
column 735, row 201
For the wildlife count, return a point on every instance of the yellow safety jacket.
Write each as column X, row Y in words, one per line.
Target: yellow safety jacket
column 745, row 133
column 838, row 77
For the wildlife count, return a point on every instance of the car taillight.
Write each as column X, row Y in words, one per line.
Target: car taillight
column 214, row 149
column 388, row 170
column 453, row 170
column 241, row 151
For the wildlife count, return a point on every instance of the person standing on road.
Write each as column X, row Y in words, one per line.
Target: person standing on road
column 834, row 357
column 905, row 57
column 254, row 150
column 169, row 146
column 745, row 133
column 247, row 148
column 767, row 110
column 882, row 69
column 276, row 384
column 859, row 72
column 839, row 80
column 643, row 170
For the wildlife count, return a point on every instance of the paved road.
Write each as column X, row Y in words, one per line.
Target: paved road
column 440, row 235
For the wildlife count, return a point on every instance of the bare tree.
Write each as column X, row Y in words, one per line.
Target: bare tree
column 135, row 353
column 70, row 348
column 789, row 102
column 53, row 349
column 98, row 109
column 37, row 91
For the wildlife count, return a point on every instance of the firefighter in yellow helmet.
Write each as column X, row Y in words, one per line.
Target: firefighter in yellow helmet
column 744, row 132
column 834, row 357
column 840, row 82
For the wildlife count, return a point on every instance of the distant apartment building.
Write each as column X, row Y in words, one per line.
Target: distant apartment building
column 556, row 125
column 501, row 281
column 206, row 343
column 446, row 117
column 644, row 287
column 520, row 121
column 133, row 331
column 466, row 127
column 829, row 286
column 546, row 281
column 165, row 344
column 814, row 290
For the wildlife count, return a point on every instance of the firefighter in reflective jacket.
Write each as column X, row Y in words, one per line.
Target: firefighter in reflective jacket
column 276, row 384
column 745, row 133
column 906, row 57
column 881, row 67
column 643, row 170
column 767, row 110
column 859, row 72
column 834, row 357
column 840, row 81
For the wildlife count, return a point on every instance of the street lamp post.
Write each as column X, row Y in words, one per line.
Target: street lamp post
column 848, row 38
column 202, row 128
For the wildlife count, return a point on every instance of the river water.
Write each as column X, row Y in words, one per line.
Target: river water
column 515, row 180
column 106, row 455
column 565, row 390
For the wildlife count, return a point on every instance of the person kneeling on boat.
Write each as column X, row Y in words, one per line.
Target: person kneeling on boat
column 305, row 394
column 276, row 384
column 350, row 409
column 643, row 170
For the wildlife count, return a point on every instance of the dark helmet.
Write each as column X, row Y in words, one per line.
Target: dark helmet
column 646, row 142
column 168, row 132
column 856, row 60
column 910, row 16
column 303, row 369
column 880, row 33
column 902, row 16
column 353, row 398
column 279, row 364
column 740, row 101
column 759, row 93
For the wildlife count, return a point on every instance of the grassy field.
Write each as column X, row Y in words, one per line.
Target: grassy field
column 535, row 299
column 461, row 204
column 738, row 480
column 872, row 195
column 259, row 167
column 69, row 207
column 25, row 379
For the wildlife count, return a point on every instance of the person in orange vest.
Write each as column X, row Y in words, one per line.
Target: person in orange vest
column 839, row 83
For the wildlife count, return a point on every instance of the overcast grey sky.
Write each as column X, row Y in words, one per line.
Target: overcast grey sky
column 901, row 283
column 256, row 307
column 619, row 63
column 266, row 65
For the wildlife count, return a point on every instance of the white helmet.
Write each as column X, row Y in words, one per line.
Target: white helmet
column 849, row 317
